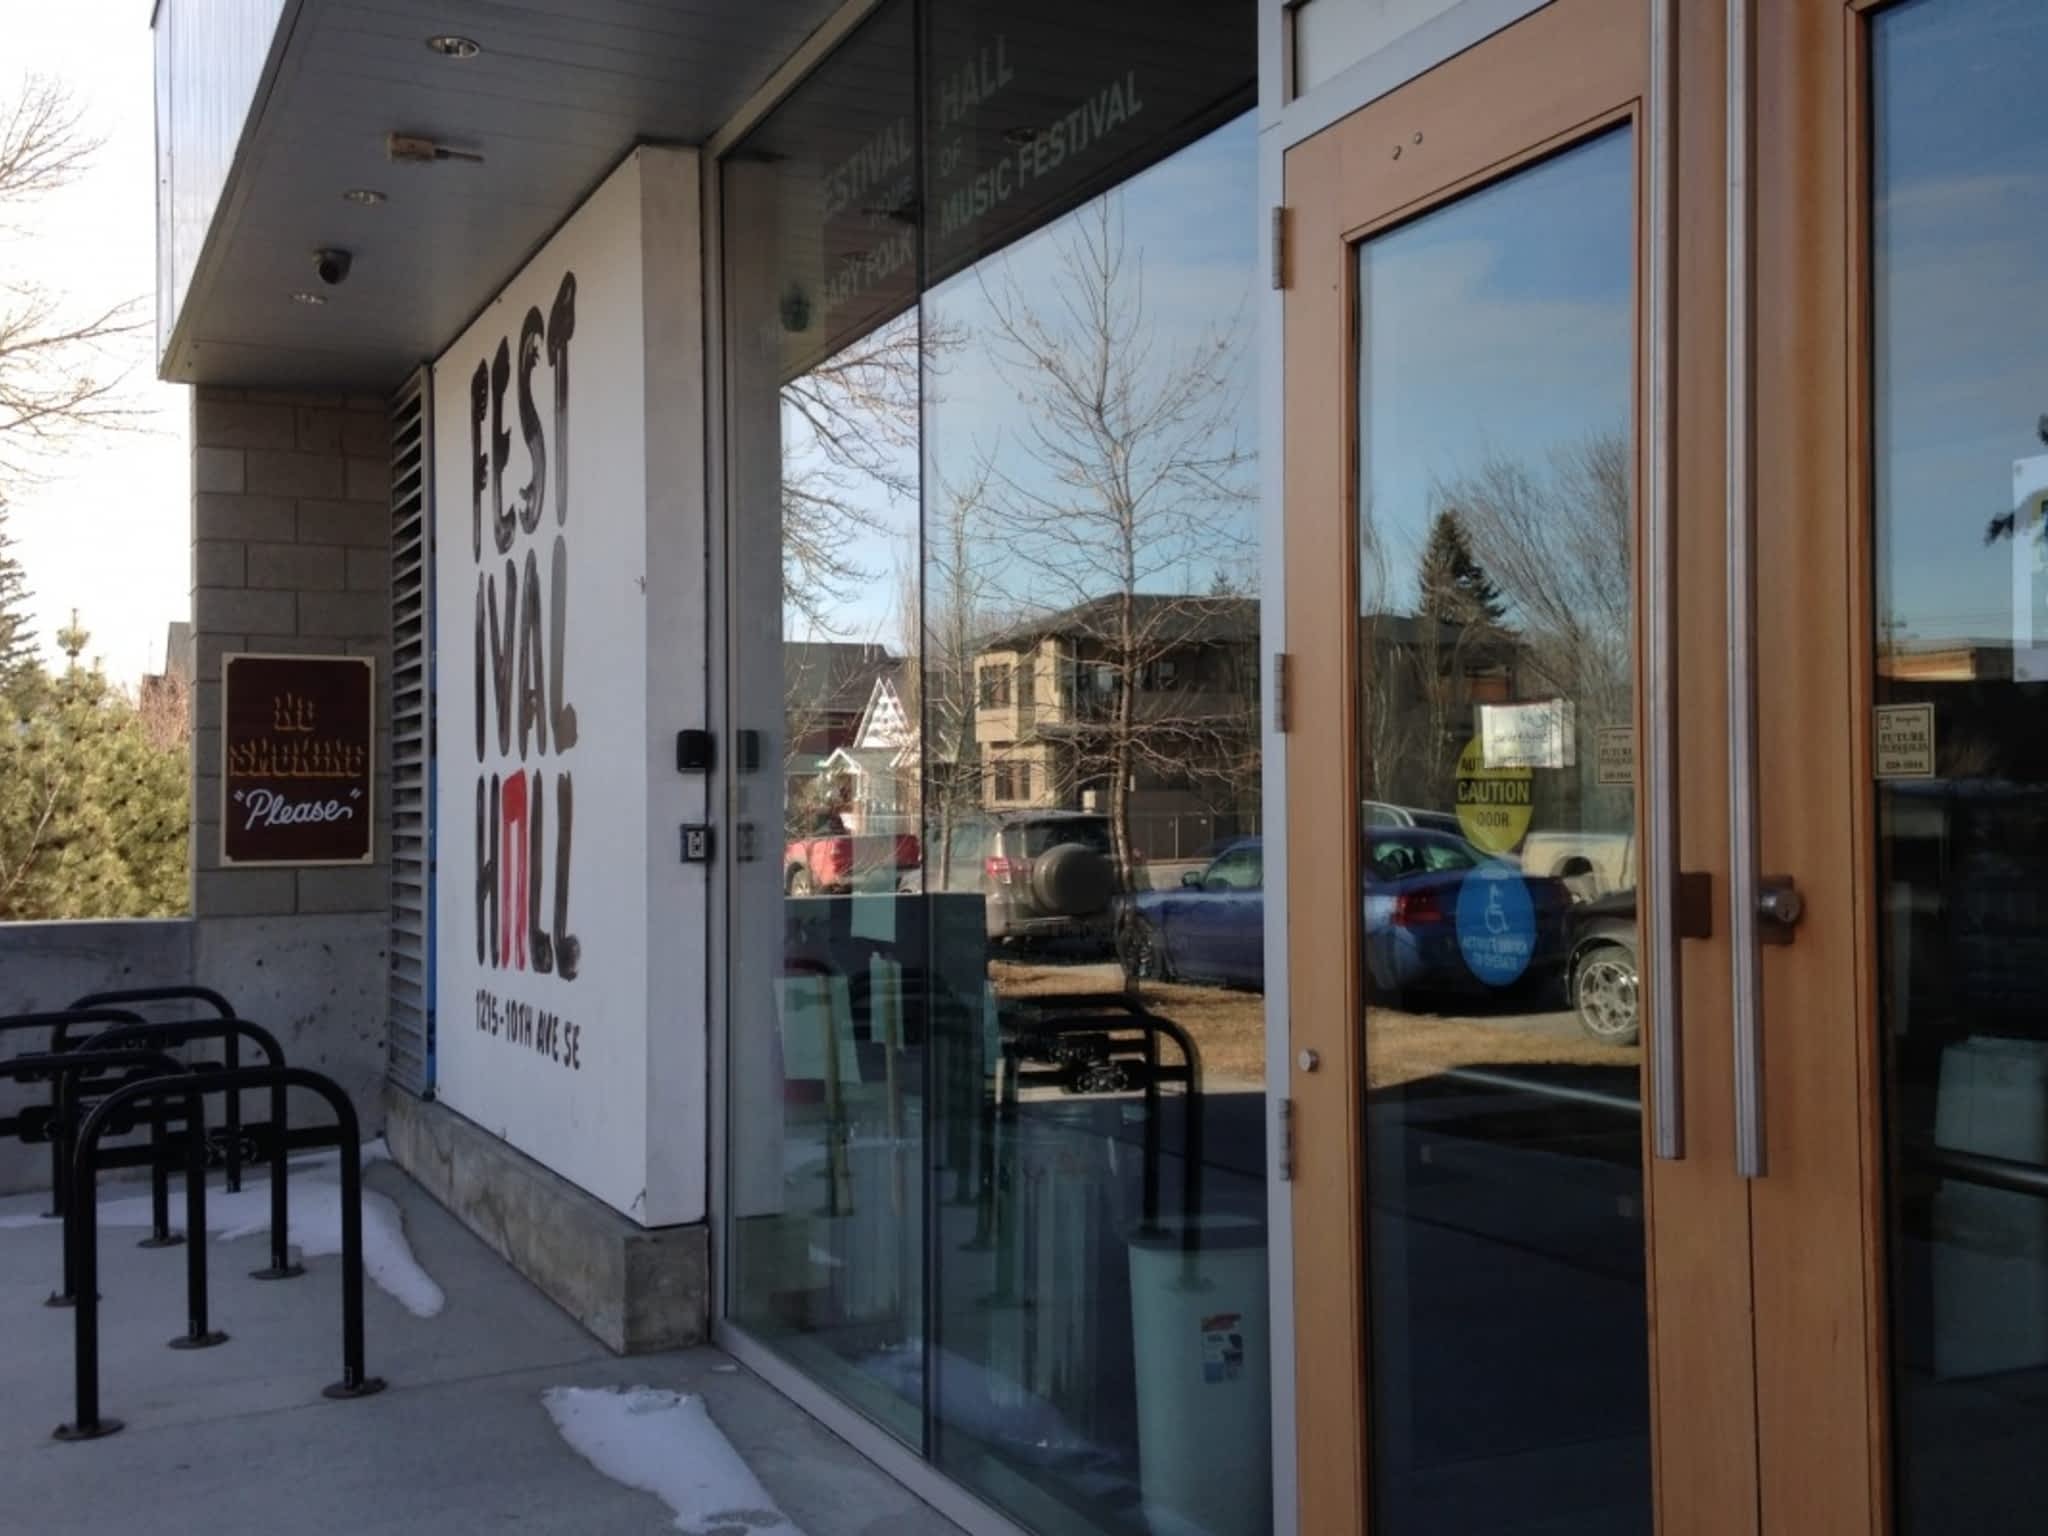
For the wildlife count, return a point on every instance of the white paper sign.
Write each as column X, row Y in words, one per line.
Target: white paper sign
column 1527, row 735
column 1905, row 741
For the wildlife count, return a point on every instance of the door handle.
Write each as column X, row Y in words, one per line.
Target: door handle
column 1661, row 915
column 1747, row 888
column 1779, row 907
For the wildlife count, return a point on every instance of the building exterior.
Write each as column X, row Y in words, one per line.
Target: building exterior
column 1159, row 691
column 1564, row 476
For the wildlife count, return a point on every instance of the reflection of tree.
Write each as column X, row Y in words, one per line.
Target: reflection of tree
column 1135, row 480
column 1458, row 614
column 1452, row 586
column 958, row 595
column 849, row 459
column 1559, row 545
column 1388, row 734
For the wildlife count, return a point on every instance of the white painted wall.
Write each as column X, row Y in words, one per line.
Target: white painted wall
column 599, row 1075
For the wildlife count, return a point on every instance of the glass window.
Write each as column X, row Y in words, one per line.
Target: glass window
column 1100, row 1308
column 1505, row 1245
column 825, row 1254
column 996, row 1178
column 1959, row 189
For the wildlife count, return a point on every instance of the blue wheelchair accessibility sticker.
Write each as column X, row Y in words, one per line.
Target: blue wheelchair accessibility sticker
column 1496, row 924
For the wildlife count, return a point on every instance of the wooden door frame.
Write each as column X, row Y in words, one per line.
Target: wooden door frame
column 1818, row 1215
column 1799, row 1255
column 1412, row 150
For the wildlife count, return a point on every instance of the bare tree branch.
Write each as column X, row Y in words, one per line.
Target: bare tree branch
column 62, row 370
column 1117, row 498
column 43, row 142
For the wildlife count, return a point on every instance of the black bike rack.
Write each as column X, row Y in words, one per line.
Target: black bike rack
column 193, row 1088
column 125, row 996
column 231, row 1031
column 61, row 1068
column 30, row 1127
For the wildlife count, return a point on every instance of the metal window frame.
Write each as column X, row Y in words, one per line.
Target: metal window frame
column 1283, row 120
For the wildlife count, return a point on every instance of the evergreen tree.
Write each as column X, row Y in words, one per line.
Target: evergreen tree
column 1452, row 586
column 94, row 815
column 17, row 638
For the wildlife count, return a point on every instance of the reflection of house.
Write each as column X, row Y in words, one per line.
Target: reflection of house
column 827, row 689
column 872, row 779
column 1167, row 683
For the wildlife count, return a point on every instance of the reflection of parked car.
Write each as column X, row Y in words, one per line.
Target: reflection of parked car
column 1213, row 927
column 1380, row 813
column 1592, row 863
column 1605, row 981
column 832, row 860
column 1044, row 874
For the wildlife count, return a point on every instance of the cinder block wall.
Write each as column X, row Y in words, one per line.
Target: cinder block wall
column 291, row 554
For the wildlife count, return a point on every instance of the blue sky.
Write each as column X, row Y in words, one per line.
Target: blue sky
column 1961, row 233
column 1191, row 226
column 1499, row 325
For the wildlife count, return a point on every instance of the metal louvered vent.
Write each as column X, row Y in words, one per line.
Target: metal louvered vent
column 410, row 1062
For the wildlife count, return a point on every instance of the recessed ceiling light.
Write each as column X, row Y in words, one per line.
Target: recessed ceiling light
column 367, row 197
column 450, row 46
column 303, row 297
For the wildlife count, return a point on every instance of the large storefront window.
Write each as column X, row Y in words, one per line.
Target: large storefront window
column 997, row 1064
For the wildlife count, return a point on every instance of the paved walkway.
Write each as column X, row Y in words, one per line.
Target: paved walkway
column 238, row 1439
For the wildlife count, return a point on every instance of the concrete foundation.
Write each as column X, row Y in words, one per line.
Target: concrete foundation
column 316, row 982
column 44, row 966
column 636, row 1288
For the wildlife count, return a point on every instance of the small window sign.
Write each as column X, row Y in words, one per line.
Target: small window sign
column 1905, row 741
column 298, row 760
column 1616, row 749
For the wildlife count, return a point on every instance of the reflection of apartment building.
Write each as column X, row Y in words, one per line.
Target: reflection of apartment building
column 1164, row 684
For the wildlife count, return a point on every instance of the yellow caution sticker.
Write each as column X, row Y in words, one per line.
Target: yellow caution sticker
column 1494, row 804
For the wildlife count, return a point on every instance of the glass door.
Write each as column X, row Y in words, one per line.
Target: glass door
column 1479, row 1291
column 1902, row 466
column 1665, row 620
column 1959, row 643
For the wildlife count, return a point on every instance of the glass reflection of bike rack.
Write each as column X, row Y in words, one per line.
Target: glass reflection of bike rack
column 1087, row 1046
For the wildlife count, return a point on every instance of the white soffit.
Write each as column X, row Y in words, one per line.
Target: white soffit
column 561, row 90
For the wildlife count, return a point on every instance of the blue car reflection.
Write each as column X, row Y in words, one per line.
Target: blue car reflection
column 1425, row 935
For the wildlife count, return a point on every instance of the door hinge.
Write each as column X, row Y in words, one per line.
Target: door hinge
column 1284, row 1108
column 1282, row 666
column 1279, row 245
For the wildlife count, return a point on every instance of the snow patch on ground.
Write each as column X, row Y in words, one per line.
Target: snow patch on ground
column 665, row 1443
column 315, row 1212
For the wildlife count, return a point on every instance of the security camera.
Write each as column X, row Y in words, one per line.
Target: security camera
column 333, row 265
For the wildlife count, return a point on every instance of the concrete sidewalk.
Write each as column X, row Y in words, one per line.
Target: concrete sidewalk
column 238, row 1439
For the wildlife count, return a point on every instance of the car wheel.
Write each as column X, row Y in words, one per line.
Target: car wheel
column 1604, row 990
column 1139, row 951
column 801, row 883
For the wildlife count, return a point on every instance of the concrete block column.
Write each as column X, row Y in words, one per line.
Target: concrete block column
column 291, row 551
